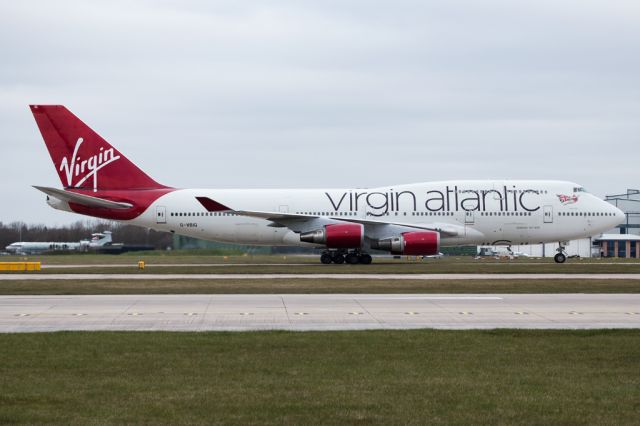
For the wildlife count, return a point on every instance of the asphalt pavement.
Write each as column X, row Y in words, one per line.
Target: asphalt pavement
column 317, row 312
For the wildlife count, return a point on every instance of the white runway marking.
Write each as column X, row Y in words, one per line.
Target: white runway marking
column 317, row 312
column 441, row 297
column 146, row 276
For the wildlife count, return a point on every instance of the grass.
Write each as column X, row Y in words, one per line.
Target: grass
column 309, row 265
column 310, row 286
column 182, row 256
column 371, row 377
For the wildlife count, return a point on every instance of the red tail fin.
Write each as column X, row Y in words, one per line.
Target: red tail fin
column 82, row 158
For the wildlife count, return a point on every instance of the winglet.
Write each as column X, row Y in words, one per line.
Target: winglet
column 211, row 205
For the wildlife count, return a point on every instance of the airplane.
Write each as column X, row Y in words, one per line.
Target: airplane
column 502, row 251
column 98, row 239
column 344, row 223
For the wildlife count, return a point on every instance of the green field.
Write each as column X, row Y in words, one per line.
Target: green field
column 370, row 377
column 179, row 264
column 359, row 377
column 313, row 286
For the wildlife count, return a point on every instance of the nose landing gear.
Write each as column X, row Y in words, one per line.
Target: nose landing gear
column 561, row 257
column 341, row 256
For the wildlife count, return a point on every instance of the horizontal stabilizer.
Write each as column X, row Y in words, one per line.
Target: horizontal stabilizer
column 84, row 200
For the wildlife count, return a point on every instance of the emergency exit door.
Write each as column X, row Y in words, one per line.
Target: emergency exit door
column 469, row 218
column 161, row 214
column 548, row 214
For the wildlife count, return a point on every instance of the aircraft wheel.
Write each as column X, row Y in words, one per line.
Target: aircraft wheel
column 365, row 259
column 338, row 259
column 352, row 258
column 560, row 258
column 326, row 258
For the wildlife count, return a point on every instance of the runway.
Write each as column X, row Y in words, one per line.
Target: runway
column 317, row 312
column 345, row 276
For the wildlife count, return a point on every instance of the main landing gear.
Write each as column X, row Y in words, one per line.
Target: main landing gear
column 561, row 257
column 343, row 256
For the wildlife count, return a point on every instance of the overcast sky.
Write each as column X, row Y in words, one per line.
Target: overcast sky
column 325, row 93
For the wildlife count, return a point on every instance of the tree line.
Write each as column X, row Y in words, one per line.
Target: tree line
column 82, row 230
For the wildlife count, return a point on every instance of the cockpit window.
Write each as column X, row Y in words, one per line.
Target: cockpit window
column 579, row 189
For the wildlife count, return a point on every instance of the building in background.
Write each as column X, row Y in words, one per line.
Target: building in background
column 624, row 240
column 618, row 245
column 181, row 242
column 582, row 247
column 629, row 203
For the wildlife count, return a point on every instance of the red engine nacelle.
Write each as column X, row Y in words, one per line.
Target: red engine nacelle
column 339, row 235
column 419, row 243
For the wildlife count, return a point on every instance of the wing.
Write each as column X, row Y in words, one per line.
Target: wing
column 304, row 223
column 84, row 200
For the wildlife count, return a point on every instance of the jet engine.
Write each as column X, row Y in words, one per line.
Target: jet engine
column 339, row 235
column 418, row 243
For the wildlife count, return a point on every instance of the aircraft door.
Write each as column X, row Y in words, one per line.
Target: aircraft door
column 469, row 218
column 161, row 214
column 548, row 214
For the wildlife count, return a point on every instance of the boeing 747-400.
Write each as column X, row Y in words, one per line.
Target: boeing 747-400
column 346, row 224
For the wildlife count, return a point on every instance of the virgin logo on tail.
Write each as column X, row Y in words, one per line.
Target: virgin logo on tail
column 84, row 169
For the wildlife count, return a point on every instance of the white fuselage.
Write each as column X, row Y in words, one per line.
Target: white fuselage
column 40, row 247
column 475, row 212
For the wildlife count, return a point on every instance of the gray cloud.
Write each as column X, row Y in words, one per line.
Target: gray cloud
column 246, row 94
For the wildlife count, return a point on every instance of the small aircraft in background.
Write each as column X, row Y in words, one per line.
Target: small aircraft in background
column 98, row 239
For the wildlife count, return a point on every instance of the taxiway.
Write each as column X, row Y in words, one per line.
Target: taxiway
column 317, row 312
column 345, row 276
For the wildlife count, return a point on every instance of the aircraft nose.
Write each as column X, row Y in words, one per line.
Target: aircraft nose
column 620, row 215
